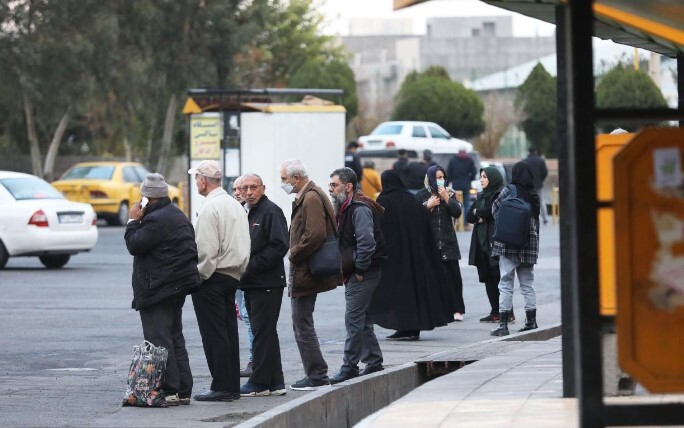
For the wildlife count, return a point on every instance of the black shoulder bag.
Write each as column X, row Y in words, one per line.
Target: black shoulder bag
column 327, row 260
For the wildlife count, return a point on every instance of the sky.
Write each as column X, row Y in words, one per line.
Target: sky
column 338, row 12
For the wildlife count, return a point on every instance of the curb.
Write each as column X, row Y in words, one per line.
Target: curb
column 348, row 403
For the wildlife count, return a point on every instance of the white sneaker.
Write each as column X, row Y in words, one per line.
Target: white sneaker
column 458, row 316
column 172, row 400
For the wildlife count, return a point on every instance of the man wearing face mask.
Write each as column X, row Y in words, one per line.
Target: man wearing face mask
column 309, row 227
column 362, row 246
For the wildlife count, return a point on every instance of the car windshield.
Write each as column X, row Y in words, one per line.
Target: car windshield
column 393, row 129
column 30, row 188
column 90, row 172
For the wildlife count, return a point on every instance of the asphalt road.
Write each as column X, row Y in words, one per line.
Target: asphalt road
column 67, row 339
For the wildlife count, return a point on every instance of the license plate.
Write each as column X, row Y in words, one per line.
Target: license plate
column 373, row 142
column 70, row 218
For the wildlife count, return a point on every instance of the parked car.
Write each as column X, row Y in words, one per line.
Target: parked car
column 411, row 135
column 110, row 187
column 36, row 220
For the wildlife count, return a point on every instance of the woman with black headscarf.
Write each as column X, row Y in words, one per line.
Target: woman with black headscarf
column 413, row 294
column 518, row 260
column 443, row 208
column 481, row 242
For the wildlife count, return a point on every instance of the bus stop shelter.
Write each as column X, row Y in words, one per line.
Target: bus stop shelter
column 654, row 25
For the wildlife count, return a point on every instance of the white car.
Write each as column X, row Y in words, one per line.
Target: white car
column 36, row 220
column 410, row 135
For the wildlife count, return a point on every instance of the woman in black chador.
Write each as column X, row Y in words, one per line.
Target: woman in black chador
column 443, row 208
column 413, row 294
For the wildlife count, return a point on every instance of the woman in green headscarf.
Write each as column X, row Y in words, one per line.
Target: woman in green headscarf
column 480, row 214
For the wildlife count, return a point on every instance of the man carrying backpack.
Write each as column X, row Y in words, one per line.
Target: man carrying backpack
column 516, row 255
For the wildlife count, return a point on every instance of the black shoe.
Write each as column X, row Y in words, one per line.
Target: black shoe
column 371, row 369
column 217, row 396
column 307, row 384
column 490, row 318
column 502, row 329
column 530, row 320
column 248, row 370
column 404, row 335
column 344, row 375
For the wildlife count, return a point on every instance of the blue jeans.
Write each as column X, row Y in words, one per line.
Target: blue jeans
column 525, row 271
column 240, row 300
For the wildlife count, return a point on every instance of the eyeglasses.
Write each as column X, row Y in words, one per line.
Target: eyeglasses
column 333, row 185
column 250, row 187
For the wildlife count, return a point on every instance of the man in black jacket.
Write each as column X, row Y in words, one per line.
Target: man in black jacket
column 263, row 285
column 162, row 242
column 351, row 159
column 539, row 172
column 363, row 250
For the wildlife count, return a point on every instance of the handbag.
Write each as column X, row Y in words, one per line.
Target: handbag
column 327, row 260
column 145, row 375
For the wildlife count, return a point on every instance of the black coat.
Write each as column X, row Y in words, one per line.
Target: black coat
column 479, row 256
column 413, row 293
column 352, row 160
column 164, row 254
column 442, row 221
column 539, row 171
column 461, row 172
column 270, row 242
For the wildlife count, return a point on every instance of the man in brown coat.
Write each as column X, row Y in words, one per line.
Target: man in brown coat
column 312, row 215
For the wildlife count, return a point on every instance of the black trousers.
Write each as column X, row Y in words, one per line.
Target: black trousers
column 215, row 311
column 263, row 306
column 453, row 273
column 492, row 287
column 163, row 326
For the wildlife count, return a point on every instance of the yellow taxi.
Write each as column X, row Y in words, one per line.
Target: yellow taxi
column 110, row 187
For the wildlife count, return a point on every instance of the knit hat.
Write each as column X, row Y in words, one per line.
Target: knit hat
column 207, row 168
column 154, row 186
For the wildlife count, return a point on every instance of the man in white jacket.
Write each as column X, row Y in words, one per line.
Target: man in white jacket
column 223, row 246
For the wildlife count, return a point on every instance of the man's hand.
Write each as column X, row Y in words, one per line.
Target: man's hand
column 359, row 277
column 136, row 212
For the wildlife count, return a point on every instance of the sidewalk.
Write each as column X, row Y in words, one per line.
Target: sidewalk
column 522, row 387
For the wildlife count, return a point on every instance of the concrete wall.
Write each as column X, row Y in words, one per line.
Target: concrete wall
column 342, row 406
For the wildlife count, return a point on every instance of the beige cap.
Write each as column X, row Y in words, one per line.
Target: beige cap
column 207, row 168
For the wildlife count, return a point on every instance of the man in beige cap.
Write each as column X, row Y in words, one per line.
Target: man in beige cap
column 161, row 240
column 223, row 244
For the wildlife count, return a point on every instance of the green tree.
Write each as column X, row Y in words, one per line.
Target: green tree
column 435, row 98
column 537, row 98
column 42, row 56
column 328, row 73
column 625, row 87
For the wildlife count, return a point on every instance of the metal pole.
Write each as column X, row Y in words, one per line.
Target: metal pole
column 580, row 209
column 565, row 226
column 680, row 86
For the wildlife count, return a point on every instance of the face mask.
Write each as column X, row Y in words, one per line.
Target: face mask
column 440, row 182
column 287, row 187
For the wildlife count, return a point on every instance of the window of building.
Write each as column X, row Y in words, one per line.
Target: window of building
column 489, row 29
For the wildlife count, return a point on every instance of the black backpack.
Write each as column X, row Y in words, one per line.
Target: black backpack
column 512, row 224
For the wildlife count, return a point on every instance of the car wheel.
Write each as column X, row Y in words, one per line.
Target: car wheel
column 122, row 217
column 4, row 255
column 56, row 261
